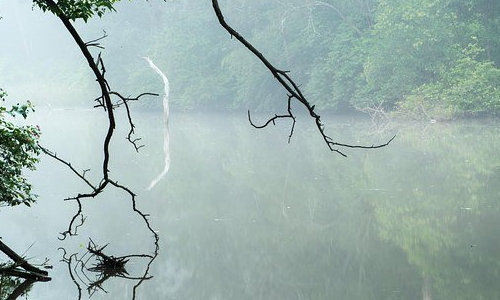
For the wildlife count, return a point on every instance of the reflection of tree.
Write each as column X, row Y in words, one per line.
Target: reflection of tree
column 272, row 226
column 8, row 284
column 15, row 288
column 442, row 210
column 315, row 229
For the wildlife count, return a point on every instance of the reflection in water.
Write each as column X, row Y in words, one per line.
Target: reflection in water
column 103, row 266
column 244, row 215
column 106, row 266
column 12, row 288
column 166, row 113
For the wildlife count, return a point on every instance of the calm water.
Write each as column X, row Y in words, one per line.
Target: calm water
column 244, row 215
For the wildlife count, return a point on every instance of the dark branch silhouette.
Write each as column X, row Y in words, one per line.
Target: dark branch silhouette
column 20, row 268
column 104, row 101
column 124, row 101
column 69, row 260
column 95, row 42
column 292, row 89
column 95, row 267
column 81, row 175
column 27, row 270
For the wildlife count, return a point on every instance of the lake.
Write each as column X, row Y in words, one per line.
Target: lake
column 242, row 214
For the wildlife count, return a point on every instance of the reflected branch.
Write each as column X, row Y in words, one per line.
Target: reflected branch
column 95, row 267
column 21, row 289
column 68, row 261
column 292, row 89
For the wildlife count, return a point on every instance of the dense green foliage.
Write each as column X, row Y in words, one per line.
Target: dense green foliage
column 430, row 58
column 435, row 58
column 78, row 9
column 18, row 152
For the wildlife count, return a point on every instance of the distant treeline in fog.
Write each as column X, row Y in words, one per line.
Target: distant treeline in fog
column 427, row 58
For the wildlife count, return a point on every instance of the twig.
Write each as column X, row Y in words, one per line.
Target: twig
column 80, row 175
column 94, row 43
column 124, row 101
column 68, row 261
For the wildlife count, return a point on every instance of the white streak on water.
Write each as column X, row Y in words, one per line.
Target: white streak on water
column 166, row 137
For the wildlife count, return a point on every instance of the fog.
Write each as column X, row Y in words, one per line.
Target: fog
column 244, row 213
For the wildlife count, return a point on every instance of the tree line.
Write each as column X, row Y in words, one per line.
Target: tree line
column 430, row 58
column 425, row 59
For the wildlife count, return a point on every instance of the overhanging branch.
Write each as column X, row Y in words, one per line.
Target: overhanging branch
column 104, row 100
column 292, row 89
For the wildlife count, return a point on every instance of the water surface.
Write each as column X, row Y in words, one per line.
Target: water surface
column 242, row 214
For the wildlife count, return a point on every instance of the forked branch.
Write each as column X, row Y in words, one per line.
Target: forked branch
column 292, row 89
column 105, row 101
column 124, row 101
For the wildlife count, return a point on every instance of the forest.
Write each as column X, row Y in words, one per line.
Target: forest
column 435, row 59
column 422, row 59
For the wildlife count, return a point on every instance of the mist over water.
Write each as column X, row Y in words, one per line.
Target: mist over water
column 244, row 215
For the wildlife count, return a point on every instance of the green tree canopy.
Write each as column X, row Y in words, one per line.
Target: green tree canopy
column 77, row 9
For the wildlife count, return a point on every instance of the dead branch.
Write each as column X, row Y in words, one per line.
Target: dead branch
column 22, row 269
column 80, row 175
column 292, row 88
column 95, row 42
column 25, row 274
column 19, row 261
column 276, row 117
column 68, row 261
column 124, row 101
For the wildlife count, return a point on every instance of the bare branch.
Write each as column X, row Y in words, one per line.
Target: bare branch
column 95, row 42
column 291, row 87
column 70, row 231
column 80, row 175
column 20, row 261
column 124, row 101
column 269, row 121
column 68, row 261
